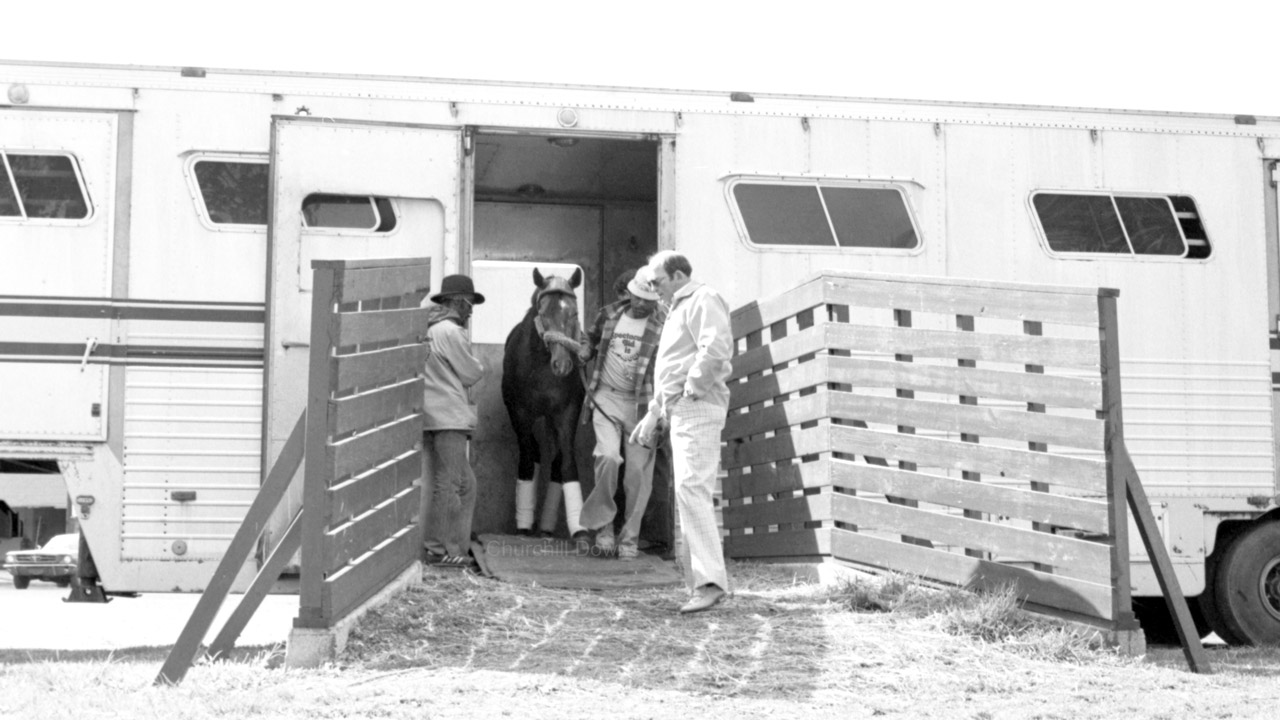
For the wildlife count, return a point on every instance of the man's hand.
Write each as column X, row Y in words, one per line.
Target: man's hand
column 645, row 429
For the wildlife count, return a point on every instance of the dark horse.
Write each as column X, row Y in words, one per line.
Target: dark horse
column 543, row 395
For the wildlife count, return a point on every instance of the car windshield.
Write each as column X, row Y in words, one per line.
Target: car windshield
column 69, row 544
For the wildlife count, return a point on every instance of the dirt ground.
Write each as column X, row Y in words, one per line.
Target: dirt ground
column 466, row 647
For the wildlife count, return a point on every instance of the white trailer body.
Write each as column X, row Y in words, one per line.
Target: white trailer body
column 155, row 343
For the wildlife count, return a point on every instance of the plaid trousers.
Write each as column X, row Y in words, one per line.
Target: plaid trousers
column 695, row 448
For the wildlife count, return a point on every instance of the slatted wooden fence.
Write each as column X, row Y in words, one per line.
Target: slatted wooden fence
column 360, row 436
column 364, row 433
column 965, row 432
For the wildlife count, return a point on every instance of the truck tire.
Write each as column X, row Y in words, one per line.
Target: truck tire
column 1247, row 586
column 21, row 583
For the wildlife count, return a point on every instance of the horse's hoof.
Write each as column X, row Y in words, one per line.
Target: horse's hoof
column 546, row 534
column 524, row 532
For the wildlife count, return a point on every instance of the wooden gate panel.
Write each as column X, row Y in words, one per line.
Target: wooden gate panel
column 957, row 430
column 364, row 432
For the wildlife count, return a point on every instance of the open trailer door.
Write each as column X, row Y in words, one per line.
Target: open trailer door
column 344, row 189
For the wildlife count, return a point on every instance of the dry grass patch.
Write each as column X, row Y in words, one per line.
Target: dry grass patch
column 778, row 636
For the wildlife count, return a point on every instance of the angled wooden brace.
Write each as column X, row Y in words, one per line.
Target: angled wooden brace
column 1173, row 597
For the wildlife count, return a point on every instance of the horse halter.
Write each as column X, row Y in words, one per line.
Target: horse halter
column 556, row 286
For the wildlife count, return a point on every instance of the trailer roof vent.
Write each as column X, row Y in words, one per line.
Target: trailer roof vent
column 741, row 97
column 194, row 72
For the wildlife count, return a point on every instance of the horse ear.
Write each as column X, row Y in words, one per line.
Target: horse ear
column 576, row 278
column 538, row 279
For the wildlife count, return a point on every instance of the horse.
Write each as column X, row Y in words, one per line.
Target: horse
column 543, row 395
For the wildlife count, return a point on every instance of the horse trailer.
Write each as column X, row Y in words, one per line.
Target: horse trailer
column 157, row 227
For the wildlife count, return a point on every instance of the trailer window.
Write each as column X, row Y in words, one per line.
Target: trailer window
column 234, row 193
column 42, row 186
column 1120, row 225
column 350, row 212
column 825, row 214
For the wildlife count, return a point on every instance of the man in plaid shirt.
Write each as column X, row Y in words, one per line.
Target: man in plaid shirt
column 624, row 340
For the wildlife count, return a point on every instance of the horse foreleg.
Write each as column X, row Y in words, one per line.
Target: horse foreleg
column 526, row 467
column 546, row 438
column 567, row 460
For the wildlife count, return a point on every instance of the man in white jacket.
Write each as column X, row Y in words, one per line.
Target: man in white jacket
column 690, row 392
column 449, row 419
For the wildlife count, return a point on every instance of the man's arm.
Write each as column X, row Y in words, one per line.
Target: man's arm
column 456, row 349
column 709, row 326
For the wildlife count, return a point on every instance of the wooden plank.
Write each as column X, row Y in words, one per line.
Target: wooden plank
column 762, row 313
column 987, row 422
column 1122, row 601
column 352, row 539
column 1000, row 462
column 368, row 449
column 787, row 543
column 1014, row 349
column 1055, row 390
column 377, row 367
column 957, row 298
column 372, row 283
column 318, row 470
column 1057, row 510
column 775, row 478
column 366, row 409
column 787, row 445
column 800, row 376
column 1062, row 593
column 1079, row 559
column 807, row 508
column 794, row 411
column 356, row 495
column 242, row 543
column 262, row 583
column 769, row 355
column 354, row 584
column 357, row 328
column 1192, row 650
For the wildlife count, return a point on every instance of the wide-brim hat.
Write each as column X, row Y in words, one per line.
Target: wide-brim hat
column 641, row 285
column 457, row 285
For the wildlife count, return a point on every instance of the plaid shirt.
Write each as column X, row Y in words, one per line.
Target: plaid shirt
column 600, row 335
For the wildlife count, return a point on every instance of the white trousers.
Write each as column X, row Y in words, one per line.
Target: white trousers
column 695, row 447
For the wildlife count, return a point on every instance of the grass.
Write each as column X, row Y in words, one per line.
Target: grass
column 463, row 646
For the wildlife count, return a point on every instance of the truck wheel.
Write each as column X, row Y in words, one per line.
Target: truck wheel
column 1247, row 586
column 1207, row 602
column 21, row 583
column 62, row 582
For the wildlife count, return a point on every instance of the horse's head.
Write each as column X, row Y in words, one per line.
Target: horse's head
column 557, row 313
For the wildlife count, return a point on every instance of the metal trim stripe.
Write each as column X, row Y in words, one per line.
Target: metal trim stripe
column 140, row 355
column 27, row 306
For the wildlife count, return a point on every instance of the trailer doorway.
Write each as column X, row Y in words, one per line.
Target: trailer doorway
column 557, row 200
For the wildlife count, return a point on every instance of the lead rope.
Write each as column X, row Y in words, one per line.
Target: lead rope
column 558, row 338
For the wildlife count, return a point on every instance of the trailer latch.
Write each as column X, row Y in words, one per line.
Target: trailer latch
column 89, row 345
column 183, row 495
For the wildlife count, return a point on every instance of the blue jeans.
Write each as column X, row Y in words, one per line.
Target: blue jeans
column 451, row 485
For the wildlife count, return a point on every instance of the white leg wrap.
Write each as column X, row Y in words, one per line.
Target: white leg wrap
column 573, row 506
column 550, row 508
column 526, row 501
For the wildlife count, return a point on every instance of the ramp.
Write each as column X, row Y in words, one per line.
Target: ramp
column 555, row 563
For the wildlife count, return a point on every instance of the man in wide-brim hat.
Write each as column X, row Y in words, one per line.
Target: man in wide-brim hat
column 449, row 418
